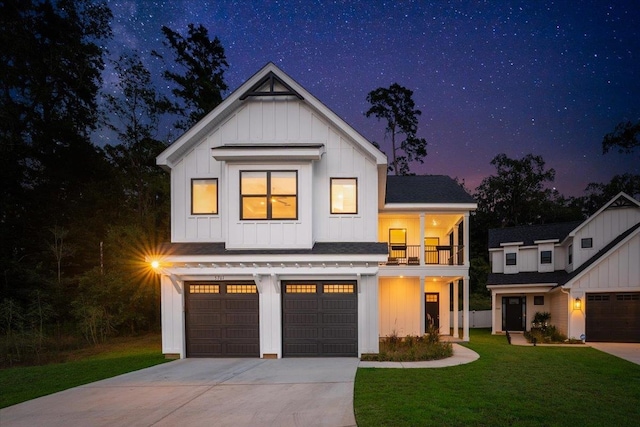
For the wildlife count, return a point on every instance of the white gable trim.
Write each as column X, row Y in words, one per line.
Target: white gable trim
column 172, row 154
column 599, row 211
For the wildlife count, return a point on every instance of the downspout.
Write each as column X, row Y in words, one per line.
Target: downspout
column 568, row 315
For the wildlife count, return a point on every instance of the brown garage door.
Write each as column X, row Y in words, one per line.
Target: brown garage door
column 222, row 320
column 613, row 317
column 319, row 319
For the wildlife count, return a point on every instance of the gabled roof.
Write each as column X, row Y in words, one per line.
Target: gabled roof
column 425, row 189
column 620, row 200
column 531, row 233
column 275, row 82
column 558, row 277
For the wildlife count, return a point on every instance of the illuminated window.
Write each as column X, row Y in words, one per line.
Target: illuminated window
column 344, row 195
column 300, row 289
column 242, row 289
column 339, row 288
column 269, row 194
column 204, row 196
column 204, row 289
column 511, row 258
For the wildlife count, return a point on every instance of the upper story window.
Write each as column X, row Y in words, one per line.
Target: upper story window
column 204, row 196
column 570, row 254
column 511, row 258
column 545, row 257
column 268, row 195
column 586, row 243
column 344, row 195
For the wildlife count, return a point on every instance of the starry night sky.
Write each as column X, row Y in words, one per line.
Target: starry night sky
column 544, row 77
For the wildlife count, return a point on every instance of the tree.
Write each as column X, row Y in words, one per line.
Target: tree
column 517, row 193
column 597, row 194
column 626, row 137
column 139, row 107
column 396, row 106
column 201, row 85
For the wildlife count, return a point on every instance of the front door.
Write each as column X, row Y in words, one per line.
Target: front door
column 513, row 313
column 431, row 310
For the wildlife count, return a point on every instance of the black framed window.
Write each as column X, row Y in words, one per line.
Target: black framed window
column 570, row 254
column 268, row 195
column 511, row 258
column 538, row 300
column 204, row 196
column 545, row 257
column 344, row 195
column 586, row 243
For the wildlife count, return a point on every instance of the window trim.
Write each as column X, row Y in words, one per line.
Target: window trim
column 507, row 261
column 269, row 216
column 331, row 211
column 193, row 180
column 584, row 241
column 543, row 260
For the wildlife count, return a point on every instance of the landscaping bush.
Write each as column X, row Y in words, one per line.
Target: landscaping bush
column 411, row 348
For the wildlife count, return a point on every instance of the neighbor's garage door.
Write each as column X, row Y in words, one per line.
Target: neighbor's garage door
column 319, row 319
column 222, row 320
column 613, row 317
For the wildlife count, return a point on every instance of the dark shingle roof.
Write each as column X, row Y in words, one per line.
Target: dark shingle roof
column 559, row 277
column 320, row 248
column 425, row 189
column 530, row 233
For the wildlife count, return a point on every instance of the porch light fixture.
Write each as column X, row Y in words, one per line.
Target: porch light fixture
column 577, row 304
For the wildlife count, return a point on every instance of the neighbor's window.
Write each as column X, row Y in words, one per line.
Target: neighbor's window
column 586, row 243
column 570, row 254
column 204, row 196
column 545, row 257
column 344, row 195
column 511, row 258
column 269, row 194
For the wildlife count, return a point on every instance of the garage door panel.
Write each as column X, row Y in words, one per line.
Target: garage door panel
column 319, row 319
column 222, row 320
column 613, row 317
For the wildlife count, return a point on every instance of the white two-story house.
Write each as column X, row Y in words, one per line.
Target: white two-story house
column 586, row 274
column 288, row 238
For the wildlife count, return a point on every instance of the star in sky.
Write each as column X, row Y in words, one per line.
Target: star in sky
column 516, row 77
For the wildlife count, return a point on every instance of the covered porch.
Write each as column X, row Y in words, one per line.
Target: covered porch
column 409, row 305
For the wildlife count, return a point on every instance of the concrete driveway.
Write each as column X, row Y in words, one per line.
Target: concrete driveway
column 205, row 392
column 628, row 351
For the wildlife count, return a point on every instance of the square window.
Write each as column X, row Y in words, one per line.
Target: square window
column 344, row 195
column 545, row 257
column 511, row 258
column 204, row 196
column 586, row 243
column 269, row 194
column 538, row 300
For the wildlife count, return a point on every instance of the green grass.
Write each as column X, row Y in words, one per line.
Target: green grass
column 84, row 366
column 508, row 385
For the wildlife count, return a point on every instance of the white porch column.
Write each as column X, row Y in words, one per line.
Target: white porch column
column 455, row 310
column 466, row 241
column 465, row 309
column 422, row 234
column 423, row 289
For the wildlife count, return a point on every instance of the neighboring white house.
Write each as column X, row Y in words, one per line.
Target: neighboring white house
column 585, row 274
column 289, row 239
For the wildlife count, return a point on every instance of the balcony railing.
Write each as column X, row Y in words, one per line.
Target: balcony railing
column 433, row 255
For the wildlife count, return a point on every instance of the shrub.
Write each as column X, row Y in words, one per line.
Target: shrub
column 411, row 349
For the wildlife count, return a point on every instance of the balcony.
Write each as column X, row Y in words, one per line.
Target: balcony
column 433, row 255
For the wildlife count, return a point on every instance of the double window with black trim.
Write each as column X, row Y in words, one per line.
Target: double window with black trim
column 270, row 195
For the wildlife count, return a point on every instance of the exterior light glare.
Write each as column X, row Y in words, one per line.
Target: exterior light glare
column 577, row 304
column 155, row 264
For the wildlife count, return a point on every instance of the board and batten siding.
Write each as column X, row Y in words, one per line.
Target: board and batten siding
column 276, row 121
column 558, row 309
column 605, row 227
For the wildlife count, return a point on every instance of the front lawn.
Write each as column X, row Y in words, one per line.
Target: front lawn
column 508, row 385
column 84, row 366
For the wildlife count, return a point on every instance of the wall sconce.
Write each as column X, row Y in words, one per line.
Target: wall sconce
column 577, row 304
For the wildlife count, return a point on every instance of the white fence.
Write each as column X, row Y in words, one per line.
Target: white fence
column 477, row 319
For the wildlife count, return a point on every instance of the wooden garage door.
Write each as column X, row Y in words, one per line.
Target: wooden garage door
column 613, row 317
column 222, row 320
column 319, row 319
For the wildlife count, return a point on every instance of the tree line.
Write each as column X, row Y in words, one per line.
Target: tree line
column 77, row 218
